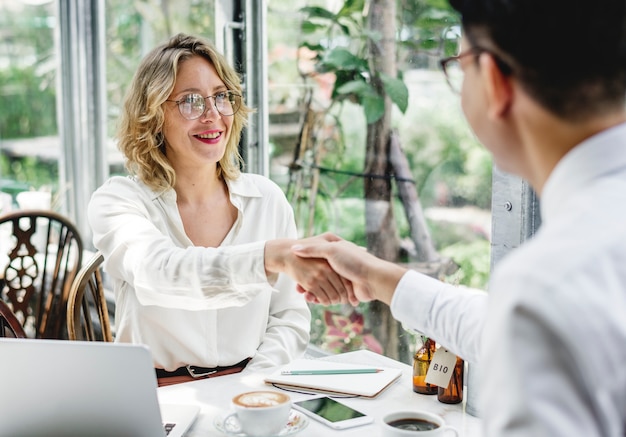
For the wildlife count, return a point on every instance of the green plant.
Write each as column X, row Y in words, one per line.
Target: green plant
column 349, row 62
column 329, row 167
column 474, row 261
column 29, row 103
column 27, row 88
column 29, row 172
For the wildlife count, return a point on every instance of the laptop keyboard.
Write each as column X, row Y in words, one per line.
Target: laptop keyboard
column 168, row 427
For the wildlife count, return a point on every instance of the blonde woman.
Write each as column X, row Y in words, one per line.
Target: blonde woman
column 199, row 251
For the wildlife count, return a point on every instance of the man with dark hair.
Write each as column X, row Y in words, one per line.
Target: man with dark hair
column 544, row 90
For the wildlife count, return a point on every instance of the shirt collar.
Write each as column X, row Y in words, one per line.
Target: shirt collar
column 243, row 186
column 595, row 157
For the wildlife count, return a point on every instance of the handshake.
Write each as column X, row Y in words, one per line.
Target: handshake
column 329, row 270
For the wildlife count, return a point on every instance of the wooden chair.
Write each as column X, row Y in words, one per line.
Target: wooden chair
column 40, row 254
column 10, row 326
column 87, row 312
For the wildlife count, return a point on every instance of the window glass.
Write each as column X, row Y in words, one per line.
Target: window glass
column 319, row 136
column 29, row 144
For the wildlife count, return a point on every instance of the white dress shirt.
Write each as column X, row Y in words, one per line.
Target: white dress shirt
column 550, row 338
column 196, row 305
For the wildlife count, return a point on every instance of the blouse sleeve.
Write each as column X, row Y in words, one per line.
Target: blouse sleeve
column 144, row 244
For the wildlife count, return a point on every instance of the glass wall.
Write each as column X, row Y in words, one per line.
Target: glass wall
column 322, row 109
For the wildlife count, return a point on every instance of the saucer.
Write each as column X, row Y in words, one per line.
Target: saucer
column 228, row 424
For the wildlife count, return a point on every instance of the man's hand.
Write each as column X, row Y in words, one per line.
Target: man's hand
column 314, row 275
column 371, row 278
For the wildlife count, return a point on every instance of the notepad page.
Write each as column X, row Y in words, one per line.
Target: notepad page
column 366, row 385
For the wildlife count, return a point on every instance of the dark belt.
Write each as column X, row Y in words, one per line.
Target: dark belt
column 191, row 373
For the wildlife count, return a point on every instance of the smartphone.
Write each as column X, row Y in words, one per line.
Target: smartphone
column 332, row 412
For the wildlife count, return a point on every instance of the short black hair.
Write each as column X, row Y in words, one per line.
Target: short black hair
column 570, row 55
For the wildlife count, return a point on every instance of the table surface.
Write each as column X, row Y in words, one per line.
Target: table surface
column 213, row 396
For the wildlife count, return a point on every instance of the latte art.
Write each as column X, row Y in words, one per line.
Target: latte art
column 260, row 399
column 262, row 413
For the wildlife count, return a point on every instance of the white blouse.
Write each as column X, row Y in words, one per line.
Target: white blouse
column 196, row 305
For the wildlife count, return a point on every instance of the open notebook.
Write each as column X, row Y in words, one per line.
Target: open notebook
column 59, row 388
column 361, row 384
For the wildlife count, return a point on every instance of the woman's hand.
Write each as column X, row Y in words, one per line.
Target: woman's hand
column 315, row 277
column 370, row 277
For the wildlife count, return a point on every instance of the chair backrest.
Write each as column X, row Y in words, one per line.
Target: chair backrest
column 87, row 312
column 40, row 254
column 10, row 326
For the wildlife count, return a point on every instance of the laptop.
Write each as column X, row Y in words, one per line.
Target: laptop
column 73, row 388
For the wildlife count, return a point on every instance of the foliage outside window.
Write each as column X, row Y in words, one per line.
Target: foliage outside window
column 28, row 90
column 333, row 100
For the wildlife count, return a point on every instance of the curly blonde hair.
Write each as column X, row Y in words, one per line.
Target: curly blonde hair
column 139, row 134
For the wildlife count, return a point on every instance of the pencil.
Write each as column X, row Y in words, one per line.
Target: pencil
column 329, row 372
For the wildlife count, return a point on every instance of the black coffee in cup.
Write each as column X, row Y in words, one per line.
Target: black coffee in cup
column 413, row 424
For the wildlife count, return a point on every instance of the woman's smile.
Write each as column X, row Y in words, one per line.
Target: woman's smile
column 209, row 137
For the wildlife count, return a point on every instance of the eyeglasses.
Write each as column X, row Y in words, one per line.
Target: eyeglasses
column 454, row 73
column 452, row 68
column 193, row 106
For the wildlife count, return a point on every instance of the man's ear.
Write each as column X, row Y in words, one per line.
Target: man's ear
column 497, row 86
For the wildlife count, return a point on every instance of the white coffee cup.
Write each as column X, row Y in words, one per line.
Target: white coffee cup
column 262, row 413
column 415, row 424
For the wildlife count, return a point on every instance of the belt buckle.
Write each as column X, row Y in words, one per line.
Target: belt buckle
column 192, row 372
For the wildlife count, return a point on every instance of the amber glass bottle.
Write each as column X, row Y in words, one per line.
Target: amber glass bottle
column 421, row 361
column 453, row 394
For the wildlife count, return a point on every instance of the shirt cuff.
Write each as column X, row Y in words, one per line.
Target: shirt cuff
column 413, row 299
